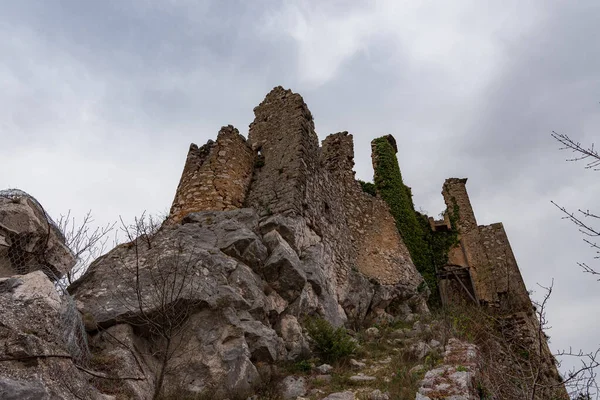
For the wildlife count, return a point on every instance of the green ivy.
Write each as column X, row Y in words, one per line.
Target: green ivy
column 368, row 187
column 427, row 249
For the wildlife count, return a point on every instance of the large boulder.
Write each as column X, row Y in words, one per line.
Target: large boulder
column 238, row 289
column 41, row 342
column 29, row 240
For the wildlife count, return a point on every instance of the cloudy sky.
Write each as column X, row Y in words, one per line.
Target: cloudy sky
column 99, row 101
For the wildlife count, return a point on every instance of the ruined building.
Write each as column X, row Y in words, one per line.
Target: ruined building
column 282, row 170
column 482, row 267
column 270, row 243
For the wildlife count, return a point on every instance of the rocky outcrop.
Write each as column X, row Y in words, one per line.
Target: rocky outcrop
column 39, row 336
column 29, row 241
column 455, row 378
column 245, row 284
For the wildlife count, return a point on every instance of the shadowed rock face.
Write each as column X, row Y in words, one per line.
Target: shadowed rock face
column 246, row 284
column 35, row 328
column 29, row 242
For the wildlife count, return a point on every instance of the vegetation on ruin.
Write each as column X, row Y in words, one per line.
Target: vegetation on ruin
column 427, row 249
column 368, row 187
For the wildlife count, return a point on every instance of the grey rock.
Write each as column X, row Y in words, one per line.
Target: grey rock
column 245, row 293
column 341, row 396
column 420, row 350
column 29, row 241
column 360, row 377
column 293, row 230
column 35, row 320
column 292, row 387
column 378, row 395
column 324, row 368
column 372, row 332
column 263, row 342
column 291, row 332
column 357, row 364
column 410, row 318
column 446, row 380
column 11, row 389
column 283, row 271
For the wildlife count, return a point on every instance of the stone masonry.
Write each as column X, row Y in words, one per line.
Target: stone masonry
column 472, row 250
column 282, row 170
column 485, row 251
column 216, row 176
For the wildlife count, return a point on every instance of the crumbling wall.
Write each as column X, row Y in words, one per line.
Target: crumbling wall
column 503, row 267
column 216, row 176
column 283, row 135
column 376, row 247
column 458, row 204
column 294, row 176
column 282, row 170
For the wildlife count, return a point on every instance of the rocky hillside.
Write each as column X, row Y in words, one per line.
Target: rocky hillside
column 277, row 275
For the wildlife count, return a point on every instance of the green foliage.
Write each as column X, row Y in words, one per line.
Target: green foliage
column 331, row 343
column 368, row 187
column 427, row 249
column 304, row 366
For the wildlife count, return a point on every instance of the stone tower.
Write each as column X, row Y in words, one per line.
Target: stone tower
column 216, row 176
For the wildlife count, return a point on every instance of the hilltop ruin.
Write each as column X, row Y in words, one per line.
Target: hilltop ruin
column 265, row 236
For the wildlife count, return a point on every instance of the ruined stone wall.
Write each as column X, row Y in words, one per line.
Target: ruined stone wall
column 284, row 136
column 457, row 201
column 376, row 247
column 486, row 251
column 282, row 170
column 294, row 176
column 503, row 266
column 216, row 176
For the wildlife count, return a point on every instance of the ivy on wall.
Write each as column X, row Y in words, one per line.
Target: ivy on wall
column 427, row 248
column 368, row 187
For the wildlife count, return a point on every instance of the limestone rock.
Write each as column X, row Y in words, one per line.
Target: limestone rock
column 360, row 377
column 29, row 241
column 40, row 339
column 291, row 332
column 11, row 389
column 341, row 396
column 455, row 378
column 282, row 270
column 378, row 395
column 242, row 286
column 292, row 387
column 324, row 368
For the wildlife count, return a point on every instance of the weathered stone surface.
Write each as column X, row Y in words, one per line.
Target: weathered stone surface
column 216, row 176
column 341, row 396
column 360, row 377
column 455, row 378
column 22, row 390
column 292, row 387
column 244, row 310
column 39, row 335
column 291, row 332
column 324, row 368
column 283, row 271
column 378, row 395
column 29, row 242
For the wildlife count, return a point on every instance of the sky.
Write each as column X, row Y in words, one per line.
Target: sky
column 99, row 102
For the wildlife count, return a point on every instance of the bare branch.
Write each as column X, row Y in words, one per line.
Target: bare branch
column 590, row 154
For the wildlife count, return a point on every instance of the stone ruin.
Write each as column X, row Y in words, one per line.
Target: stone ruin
column 282, row 170
column 274, row 228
